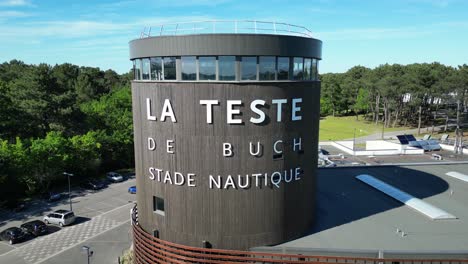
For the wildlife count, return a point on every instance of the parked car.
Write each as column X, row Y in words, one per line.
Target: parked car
column 15, row 205
column 12, row 235
column 60, row 217
column 132, row 189
column 114, row 177
column 130, row 175
column 52, row 196
column 35, row 228
column 94, row 185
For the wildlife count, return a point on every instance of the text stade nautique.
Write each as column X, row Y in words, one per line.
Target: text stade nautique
column 233, row 117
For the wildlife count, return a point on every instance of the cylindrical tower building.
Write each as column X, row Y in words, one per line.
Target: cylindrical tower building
column 226, row 135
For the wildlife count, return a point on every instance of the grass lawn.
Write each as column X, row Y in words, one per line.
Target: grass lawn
column 338, row 128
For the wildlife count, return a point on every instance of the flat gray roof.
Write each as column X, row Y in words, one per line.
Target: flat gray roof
column 351, row 215
column 350, row 160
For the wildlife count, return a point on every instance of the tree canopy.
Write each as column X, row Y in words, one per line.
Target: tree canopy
column 61, row 118
column 395, row 94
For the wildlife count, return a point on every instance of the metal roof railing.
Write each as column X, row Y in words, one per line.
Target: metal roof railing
column 226, row 27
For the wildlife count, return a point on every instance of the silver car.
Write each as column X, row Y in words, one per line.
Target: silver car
column 114, row 177
column 60, row 217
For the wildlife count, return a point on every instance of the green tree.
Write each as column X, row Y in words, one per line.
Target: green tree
column 14, row 166
column 361, row 104
column 112, row 116
column 49, row 156
column 332, row 94
column 84, row 158
column 90, row 84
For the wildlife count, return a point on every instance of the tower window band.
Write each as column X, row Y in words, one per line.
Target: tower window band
column 223, row 68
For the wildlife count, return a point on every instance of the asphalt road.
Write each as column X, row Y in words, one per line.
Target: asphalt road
column 103, row 224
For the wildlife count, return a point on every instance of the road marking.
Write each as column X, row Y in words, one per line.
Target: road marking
column 92, row 210
column 106, row 204
column 72, row 246
column 117, row 208
column 120, row 199
column 8, row 244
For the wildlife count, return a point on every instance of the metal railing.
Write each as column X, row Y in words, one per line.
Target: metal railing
column 225, row 27
column 134, row 215
column 150, row 249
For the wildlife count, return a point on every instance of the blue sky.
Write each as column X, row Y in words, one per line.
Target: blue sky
column 368, row 33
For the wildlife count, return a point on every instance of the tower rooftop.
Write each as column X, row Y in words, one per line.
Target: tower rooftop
column 225, row 27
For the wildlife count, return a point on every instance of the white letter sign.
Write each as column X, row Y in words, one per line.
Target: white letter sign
column 209, row 109
column 231, row 111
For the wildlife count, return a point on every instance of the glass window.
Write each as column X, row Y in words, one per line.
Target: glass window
column 307, row 69
column 158, row 204
column 67, row 216
column 298, row 68
column 134, row 70
column 317, row 75
column 137, row 69
column 227, row 68
column 207, row 68
column 249, row 68
column 314, row 69
column 267, row 66
column 145, row 63
column 283, row 68
column 156, row 68
column 189, row 68
column 169, row 68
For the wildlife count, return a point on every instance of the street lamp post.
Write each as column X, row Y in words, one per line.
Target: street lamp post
column 69, row 188
column 383, row 129
column 87, row 251
column 354, row 142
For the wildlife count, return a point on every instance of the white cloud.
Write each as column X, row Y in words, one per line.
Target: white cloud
column 85, row 28
column 15, row 3
column 376, row 33
column 13, row 14
column 62, row 29
column 436, row 3
column 191, row 3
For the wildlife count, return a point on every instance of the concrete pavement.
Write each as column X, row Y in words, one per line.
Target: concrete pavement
column 102, row 221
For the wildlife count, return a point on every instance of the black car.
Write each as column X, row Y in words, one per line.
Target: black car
column 12, row 235
column 95, row 185
column 35, row 228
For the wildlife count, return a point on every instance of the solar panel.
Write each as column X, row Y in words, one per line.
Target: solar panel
column 433, row 147
column 427, row 137
column 444, row 137
column 402, row 139
column 406, row 139
column 427, row 145
column 417, row 204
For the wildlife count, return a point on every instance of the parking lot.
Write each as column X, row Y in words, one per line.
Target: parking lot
column 98, row 213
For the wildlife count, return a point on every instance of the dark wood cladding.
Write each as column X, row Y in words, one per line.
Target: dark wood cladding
column 149, row 249
column 226, row 44
column 226, row 218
